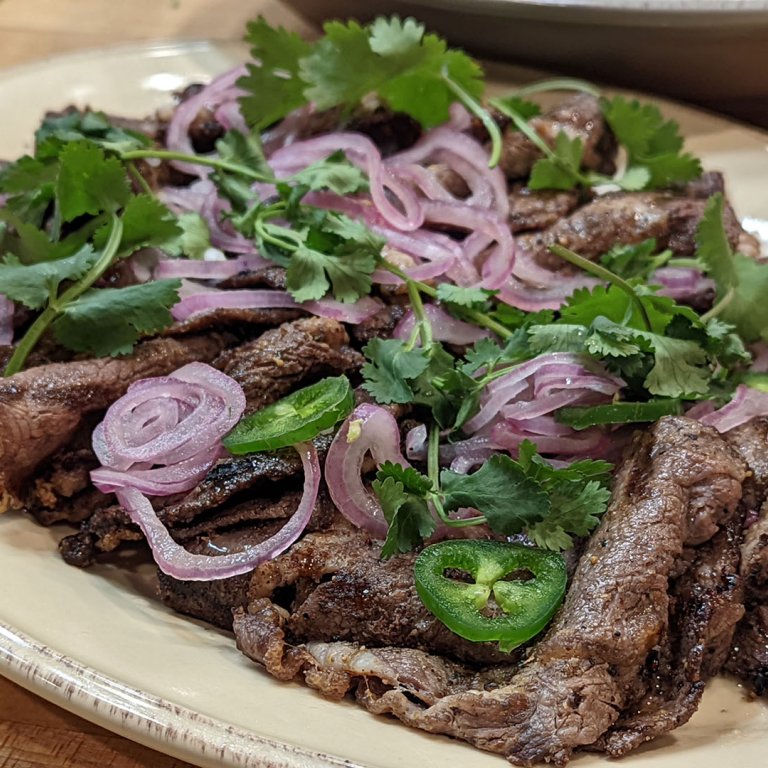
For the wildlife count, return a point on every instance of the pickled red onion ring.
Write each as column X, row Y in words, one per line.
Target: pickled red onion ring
column 368, row 429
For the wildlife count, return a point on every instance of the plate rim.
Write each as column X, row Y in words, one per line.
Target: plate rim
column 185, row 734
column 163, row 725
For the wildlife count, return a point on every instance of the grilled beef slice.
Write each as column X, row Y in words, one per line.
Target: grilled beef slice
column 628, row 218
column 578, row 117
column 280, row 359
column 42, row 408
column 585, row 677
column 748, row 659
column 706, row 605
column 535, row 209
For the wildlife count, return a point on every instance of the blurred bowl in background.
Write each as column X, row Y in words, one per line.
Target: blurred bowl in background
column 709, row 52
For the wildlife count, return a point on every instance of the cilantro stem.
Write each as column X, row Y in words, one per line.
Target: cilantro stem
column 211, row 162
column 29, row 340
column 482, row 114
column 433, row 454
column 425, row 327
column 720, row 305
column 602, row 273
column 524, row 127
column 480, row 318
column 55, row 307
column 138, row 178
column 558, row 84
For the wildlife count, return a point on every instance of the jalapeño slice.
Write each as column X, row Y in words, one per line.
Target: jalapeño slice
column 300, row 416
column 526, row 584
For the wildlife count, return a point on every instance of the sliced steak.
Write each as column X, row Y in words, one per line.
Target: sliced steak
column 579, row 117
column 381, row 325
column 628, row 218
column 588, row 670
column 251, row 524
column 244, row 323
column 748, row 659
column 280, row 359
column 343, row 591
column 236, row 491
column 42, row 408
column 531, row 209
column 707, row 604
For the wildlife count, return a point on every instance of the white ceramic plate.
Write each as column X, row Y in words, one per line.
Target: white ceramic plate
column 98, row 643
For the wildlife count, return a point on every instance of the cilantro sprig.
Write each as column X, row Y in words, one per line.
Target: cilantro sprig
column 527, row 495
column 62, row 237
column 659, row 347
column 408, row 69
column 741, row 281
column 654, row 156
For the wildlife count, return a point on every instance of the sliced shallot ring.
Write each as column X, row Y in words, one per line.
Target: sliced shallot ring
column 361, row 151
column 368, row 429
column 209, row 270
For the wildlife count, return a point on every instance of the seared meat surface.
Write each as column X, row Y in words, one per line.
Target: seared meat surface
column 578, row 117
column 749, row 656
column 585, row 677
column 630, row 218
column 281, row 359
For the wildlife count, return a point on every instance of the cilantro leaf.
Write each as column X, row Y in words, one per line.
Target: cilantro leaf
column 562, row 337
column 342, row 67
column 741, row 281
column 572, row 514
column 639, row 260
column 273, row 85
column 679, row 368
column 30, row 185
column 146, row 222
column 391, row 57
column 94, row 126
column 348, row 272
column 463, row 296
column 246, row 150
column 501, row 491
column 446, row 391
column 335, row 173
column 412, row 480
column 89, row 182
column 487, row 354
column 109, row 321
column 391, row 369
column 194, row 238
column 562, row 171
column 408, row 515
column 34, row 284
column 651, row 142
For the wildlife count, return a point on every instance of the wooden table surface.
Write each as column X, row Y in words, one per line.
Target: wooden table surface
column 34, row 733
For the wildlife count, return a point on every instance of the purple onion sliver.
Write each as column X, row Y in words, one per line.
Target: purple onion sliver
column 369, row 428
column 747, row 403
